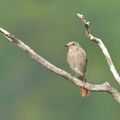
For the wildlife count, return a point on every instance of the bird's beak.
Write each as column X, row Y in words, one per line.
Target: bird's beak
column 66, row 45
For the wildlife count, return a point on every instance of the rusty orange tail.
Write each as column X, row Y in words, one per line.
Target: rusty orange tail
column 83, row 91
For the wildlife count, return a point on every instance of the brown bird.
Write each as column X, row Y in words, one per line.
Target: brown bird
column 77, row 59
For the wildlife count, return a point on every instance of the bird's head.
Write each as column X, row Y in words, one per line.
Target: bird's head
column 72, row 45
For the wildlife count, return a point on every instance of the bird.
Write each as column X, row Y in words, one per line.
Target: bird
column 77, row 60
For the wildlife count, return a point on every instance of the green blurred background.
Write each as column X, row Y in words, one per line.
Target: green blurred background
column 30, row 92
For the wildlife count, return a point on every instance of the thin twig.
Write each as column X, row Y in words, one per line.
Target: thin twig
column 101, row 45
column 105, row 87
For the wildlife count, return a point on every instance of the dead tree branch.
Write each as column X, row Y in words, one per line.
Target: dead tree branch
column 101, row 45
column 105, row 87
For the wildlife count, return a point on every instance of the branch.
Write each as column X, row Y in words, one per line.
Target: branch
column 101, row 45
column 105, row 87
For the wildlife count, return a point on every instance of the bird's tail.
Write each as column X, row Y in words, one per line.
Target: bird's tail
column 83, row 91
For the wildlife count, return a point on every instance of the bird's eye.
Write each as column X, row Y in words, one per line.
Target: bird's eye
column 73, row 44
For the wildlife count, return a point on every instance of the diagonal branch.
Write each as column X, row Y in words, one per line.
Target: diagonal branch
column 105, row 87
column 101, row 45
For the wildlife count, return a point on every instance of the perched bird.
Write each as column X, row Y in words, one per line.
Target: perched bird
column 77, row 59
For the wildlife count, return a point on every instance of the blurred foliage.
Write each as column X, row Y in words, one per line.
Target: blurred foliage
column 30, row 92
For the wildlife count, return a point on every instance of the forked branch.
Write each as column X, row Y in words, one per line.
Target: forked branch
column 105, row 87
column 101, row 45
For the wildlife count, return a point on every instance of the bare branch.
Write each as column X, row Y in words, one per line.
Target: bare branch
column 101, row 45
column 106, row 87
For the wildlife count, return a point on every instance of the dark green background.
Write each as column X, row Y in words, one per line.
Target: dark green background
column 30, row 92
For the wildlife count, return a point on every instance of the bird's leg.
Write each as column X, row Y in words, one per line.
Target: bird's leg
column 83, row 79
